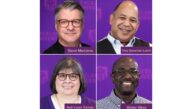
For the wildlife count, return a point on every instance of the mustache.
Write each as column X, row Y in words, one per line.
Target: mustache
column 122, row 26
column 127, row 80
column 70, row 32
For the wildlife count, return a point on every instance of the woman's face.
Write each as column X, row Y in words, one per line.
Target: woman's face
column 67, row 82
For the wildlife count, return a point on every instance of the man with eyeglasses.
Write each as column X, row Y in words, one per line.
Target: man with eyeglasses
column 125, row 76
column 69, row 26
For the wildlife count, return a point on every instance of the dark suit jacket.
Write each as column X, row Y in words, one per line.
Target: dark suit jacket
column 57, row 48
column 105, row 47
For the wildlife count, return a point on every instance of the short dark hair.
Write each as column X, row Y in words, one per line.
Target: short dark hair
column 75, row 66
column 117, row 63
column 69, row 4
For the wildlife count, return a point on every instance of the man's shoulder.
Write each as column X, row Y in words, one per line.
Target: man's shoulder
column 106, row 103
column 49, row 50
column 102, row 102
column 105, row 47
column 103, row 99
column 142, row 100
column 103, row 42
column 85, row 45
column 56, row 48
column 141, row 43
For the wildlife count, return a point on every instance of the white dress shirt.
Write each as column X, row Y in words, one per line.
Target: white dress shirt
column 117, row 44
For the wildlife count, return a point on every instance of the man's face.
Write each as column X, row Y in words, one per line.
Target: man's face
column 69, row 25
column 126, row 78
column 124, row 22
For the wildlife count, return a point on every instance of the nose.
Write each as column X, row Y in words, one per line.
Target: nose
column 127, row 23
column 67, row 79
column 70, row 26
column 127, row 76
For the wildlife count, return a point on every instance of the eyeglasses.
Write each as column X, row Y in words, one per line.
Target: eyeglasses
column 72, row 76
column 122, row 71
column 65, row 23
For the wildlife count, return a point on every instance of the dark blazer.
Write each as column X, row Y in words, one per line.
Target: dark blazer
column 57, row 48
column 105, row 47
column 46, row 103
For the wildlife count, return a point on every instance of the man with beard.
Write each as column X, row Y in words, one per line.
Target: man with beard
column 124, row 23
column 125, row 76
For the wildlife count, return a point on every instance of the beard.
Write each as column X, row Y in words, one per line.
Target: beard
column 127, row 93
column 126, row 90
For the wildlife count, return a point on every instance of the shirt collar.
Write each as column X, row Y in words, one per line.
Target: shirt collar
column 117, row 101
column 116, row 42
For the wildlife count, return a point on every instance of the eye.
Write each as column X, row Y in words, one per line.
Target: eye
column 76, row 21
column 63, row 21
column 62, row 75
column 120, row 70
column 134, row 72
column 133, row 20
column 74, row 76
column 122, row 18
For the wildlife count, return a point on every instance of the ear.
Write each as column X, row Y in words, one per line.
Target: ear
column 111, row 19
column 138, row 24
column 56, row 28
column 139, row 75
column 82, row 25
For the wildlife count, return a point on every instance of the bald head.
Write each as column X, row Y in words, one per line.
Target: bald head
column 126, row 3
column 124, row 21
column 126, row 63
column 125, row 77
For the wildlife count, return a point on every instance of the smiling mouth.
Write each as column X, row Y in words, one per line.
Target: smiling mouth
column 125, row 31
column 67, row 87
column 127, row 83
column 70, row 33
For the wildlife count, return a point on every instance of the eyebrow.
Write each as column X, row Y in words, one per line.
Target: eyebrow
column 123, row 15
column 120, row 14
column 69, row 20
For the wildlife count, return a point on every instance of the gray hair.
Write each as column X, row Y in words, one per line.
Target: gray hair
column 69, row 4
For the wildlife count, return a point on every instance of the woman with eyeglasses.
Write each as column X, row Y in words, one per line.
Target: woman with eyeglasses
column 67, row 84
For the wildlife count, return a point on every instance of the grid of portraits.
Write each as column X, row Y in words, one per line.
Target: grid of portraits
column 95, row 51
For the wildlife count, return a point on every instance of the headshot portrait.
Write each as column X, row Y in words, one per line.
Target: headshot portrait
column 66, row 23
column 124, row 24
column 123, row 80
column 66, row 80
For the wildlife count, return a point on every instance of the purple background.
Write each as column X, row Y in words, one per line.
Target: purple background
column 48, row 63
column 48, row 35
column 106, row 7
column 104, row 68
